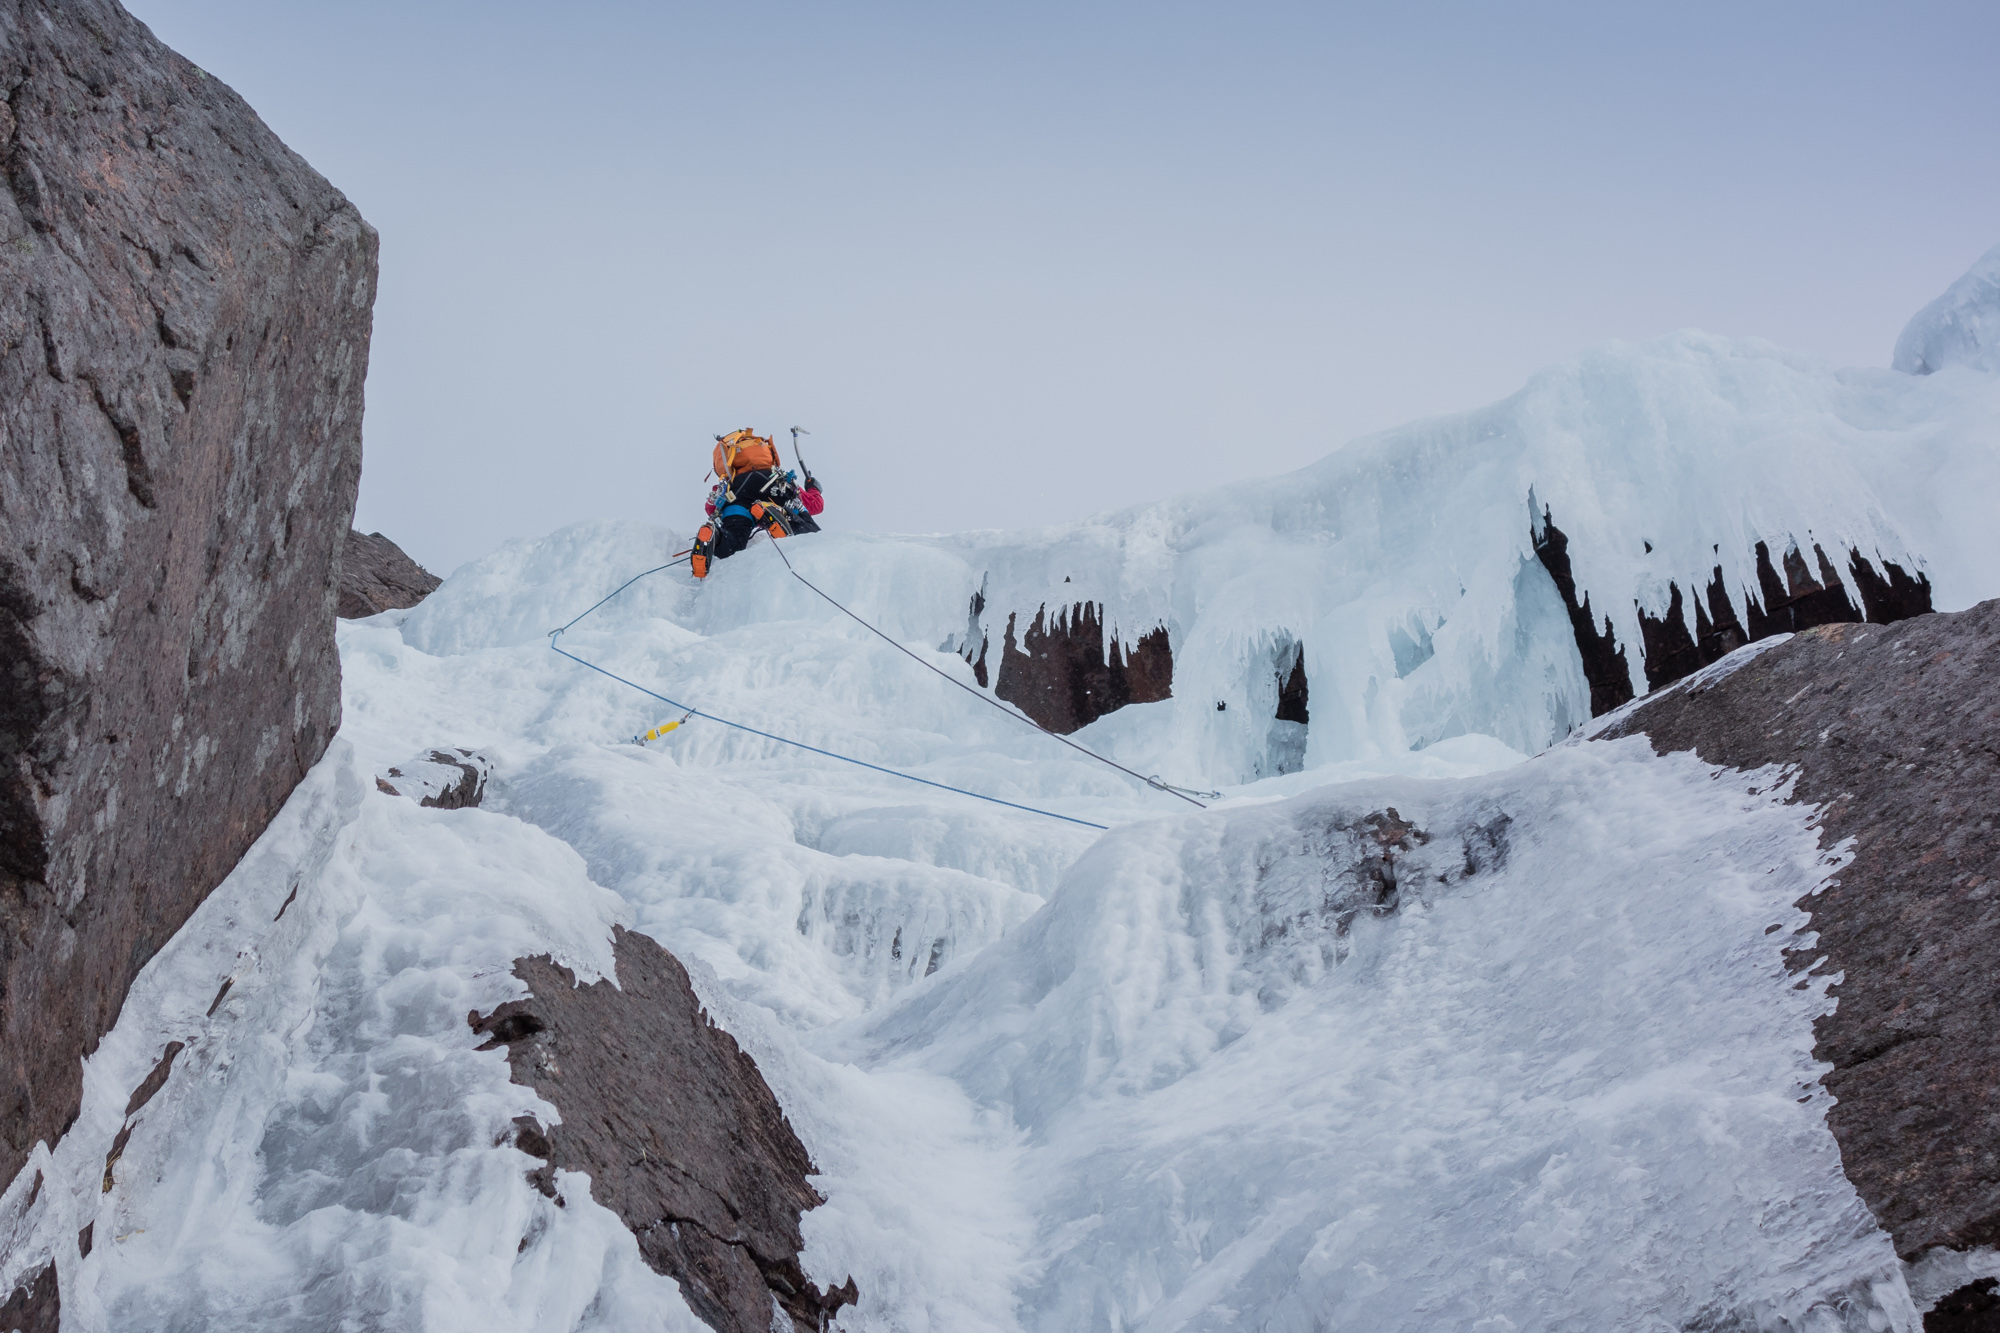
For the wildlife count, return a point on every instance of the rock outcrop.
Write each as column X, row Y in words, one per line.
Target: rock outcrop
column 677, row 1129
column 452, row 779
column 1895, row 731
column 1806, row 596
column 185, row 310
column 1973, row 1308
column 1062, row 673
column 376, row 576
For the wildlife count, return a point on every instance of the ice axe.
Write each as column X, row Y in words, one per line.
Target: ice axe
column 796, row 432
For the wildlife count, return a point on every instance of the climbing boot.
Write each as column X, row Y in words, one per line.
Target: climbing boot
column 704, row 548
column 771, row 518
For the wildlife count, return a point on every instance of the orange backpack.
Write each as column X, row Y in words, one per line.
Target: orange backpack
column 743, row 451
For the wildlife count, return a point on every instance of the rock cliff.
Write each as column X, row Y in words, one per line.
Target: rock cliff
column 1895, row 732
column 1065, row 675
column 1806, row 596
column 185, row 311
column 677, row 1130
column 375, row 576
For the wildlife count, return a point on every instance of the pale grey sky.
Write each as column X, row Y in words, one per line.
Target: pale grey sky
column 1015, row 264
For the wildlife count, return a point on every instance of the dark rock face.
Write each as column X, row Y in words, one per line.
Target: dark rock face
column 1782, row 606
column 1294, row 694
column 1672, row 653
column 1064, row 676
column 1896, row 731
column 184, row 321
column 680, row 1134
column 1973, row 1308
column 150, row 1086
column 1603, row 656
column 35, row 1307
column 376, row 576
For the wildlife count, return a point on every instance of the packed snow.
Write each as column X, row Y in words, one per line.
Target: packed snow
column 1206, row 1070
column 1960, row 328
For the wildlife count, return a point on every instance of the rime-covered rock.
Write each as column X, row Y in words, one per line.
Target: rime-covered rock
column 185, row 309
column 452, row 779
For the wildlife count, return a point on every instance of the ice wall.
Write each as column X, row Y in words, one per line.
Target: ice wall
column 1404, row 563
column 1403, row 566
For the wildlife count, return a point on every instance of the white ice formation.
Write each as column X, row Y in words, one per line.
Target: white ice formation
column 1205, row 1071
column 1960, row 328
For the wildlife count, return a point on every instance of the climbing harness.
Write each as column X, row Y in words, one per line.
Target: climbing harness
column 1185, row 794
column 555, row 645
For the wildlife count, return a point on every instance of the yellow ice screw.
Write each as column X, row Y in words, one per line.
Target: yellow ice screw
column 662, row 729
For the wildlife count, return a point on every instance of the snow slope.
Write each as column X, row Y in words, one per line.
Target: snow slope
column 1195, row 1072
column 1960, row 328
column 1565, row 1085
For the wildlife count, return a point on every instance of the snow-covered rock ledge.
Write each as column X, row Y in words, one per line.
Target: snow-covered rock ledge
column 1894, row 734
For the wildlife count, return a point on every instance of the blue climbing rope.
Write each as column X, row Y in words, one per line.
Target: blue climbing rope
column 559, row 650
column 620, row 588
column 1182, row 793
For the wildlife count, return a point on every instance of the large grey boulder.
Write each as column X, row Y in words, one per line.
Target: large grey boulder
column 376, row 576
column 185, row 309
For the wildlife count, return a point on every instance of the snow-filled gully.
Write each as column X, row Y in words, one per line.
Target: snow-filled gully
column 1410, row 1031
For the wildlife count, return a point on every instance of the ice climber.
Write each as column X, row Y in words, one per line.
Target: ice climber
column 751, row 491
